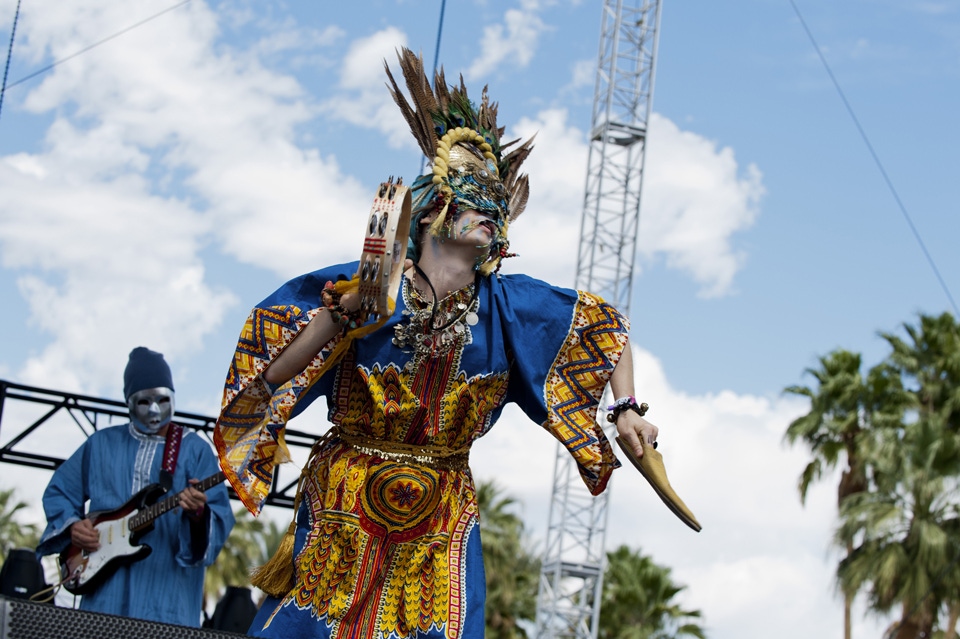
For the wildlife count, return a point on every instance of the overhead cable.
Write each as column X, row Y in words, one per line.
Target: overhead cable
column 876, row 159
column 6, row 67
column 95, row 44
column 436, row 61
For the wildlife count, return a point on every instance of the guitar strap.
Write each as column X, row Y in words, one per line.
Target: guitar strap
column 171, row 450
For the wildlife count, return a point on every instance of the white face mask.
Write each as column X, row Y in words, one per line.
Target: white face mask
column 151, row 409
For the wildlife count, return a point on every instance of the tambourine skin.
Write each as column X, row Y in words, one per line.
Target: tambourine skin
column 384, row 249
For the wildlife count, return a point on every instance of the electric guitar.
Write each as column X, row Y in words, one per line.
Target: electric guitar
column 120, row 530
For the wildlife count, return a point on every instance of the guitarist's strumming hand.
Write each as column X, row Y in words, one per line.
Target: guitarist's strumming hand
column 192, row 501
column 84, row 536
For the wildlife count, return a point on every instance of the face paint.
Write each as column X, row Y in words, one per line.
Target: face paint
column 151, row 409
column 477, row 219
column 470, row 226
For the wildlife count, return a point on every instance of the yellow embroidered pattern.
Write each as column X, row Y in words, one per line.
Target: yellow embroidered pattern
column 575, row 386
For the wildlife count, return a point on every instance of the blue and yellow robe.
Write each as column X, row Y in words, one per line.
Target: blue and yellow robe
column 387, row 540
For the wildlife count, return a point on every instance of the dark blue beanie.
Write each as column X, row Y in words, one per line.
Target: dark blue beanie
column 146, row 369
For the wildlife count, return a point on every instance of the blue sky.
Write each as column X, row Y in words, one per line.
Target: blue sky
column 155, row 187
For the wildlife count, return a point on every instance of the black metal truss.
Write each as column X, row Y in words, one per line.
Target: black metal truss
column 90, row 414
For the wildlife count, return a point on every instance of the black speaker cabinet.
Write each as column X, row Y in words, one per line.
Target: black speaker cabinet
column 22, row 619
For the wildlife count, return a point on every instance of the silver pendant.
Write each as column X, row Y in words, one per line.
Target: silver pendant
column 472, row 318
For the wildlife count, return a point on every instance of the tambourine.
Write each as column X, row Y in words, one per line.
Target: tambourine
column 384, row 250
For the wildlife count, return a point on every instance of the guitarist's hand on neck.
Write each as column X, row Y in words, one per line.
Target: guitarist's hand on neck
column 85, row 536
column 192, row 501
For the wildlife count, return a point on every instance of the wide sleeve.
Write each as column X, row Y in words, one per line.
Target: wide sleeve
column 64, row 500
column 254, row 414
column 564, row 345
column 200, row 542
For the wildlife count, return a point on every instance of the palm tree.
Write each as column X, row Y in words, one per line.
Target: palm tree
column 13, row 532
column 835, row 431
column 245, row 548
column 638, row 601
column 907, row 528
column 512, row 568
column 930, row 364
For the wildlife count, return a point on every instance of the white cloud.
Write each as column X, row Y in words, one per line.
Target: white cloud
column 363, row 99
column 695, row 198
column 166, row 142
column 759, row 550
column 547, row 233
column 163, row 143
column 694, row 201
column 514, row 41
column 584, row 73
column 113, row 267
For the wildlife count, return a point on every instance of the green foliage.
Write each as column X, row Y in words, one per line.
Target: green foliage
column 512, row 568
column 250, row 544
column 899, row 431
column 639, row 601
column 13, row 532
column 844, row 407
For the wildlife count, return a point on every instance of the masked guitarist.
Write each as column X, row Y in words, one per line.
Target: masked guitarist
column 111, row 471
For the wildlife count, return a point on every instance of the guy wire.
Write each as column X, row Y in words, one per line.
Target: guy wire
column 876, row 159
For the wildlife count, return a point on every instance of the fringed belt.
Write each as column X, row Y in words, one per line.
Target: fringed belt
column 436, row 457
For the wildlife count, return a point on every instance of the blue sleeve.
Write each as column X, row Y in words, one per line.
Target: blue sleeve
column 536, row 319
column 200, row 542
column 64, row 500
column 564, row 346
column 304, row 293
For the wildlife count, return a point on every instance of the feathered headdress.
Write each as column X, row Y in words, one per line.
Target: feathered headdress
column 468, row 161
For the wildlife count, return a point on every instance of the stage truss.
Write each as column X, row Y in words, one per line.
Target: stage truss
column 571, row 579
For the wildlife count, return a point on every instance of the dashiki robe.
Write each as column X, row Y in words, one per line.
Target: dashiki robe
column 387, row 540
column 111, row 466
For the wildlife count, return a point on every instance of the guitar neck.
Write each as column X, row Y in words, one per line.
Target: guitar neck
column 145, row 516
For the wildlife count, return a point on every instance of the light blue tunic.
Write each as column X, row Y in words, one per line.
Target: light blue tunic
column 108, row 469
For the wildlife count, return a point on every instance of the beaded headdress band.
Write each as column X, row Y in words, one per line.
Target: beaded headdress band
column 469, row 166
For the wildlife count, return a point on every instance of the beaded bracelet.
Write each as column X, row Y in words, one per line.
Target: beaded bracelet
column 625, row 403
column 329, row 295
column 331, row 301
column 346, row 319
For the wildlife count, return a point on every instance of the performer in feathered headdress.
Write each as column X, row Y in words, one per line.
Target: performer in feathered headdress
column 470, row 168
column 386, row 541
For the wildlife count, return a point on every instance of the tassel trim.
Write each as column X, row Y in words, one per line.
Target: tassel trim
column 276, row 577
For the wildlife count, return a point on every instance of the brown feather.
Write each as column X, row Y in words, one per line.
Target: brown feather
column 510, row 163
column 420, row 93
column 440, row 89
column 427, row 143
column 519, row 194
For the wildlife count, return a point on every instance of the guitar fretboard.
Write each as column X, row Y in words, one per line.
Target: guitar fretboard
column 148, row 514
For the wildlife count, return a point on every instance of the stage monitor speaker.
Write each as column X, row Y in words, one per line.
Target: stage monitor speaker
column 21, row 619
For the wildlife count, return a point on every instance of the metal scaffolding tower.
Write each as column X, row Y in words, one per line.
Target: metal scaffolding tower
column 568, row 602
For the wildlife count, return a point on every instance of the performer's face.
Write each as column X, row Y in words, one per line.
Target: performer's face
column 151, row 409
column 477, row 226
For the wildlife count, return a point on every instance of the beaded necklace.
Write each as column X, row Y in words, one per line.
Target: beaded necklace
column 455, row 313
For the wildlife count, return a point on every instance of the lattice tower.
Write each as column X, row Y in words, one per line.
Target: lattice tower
column 571, row 579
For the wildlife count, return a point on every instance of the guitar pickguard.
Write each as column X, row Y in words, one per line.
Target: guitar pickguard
column 117, row 545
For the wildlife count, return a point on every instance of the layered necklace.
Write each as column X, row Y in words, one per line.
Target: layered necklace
column 433, row 329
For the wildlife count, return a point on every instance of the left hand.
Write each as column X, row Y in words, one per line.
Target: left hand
column 192, row 501
column 631, row 428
